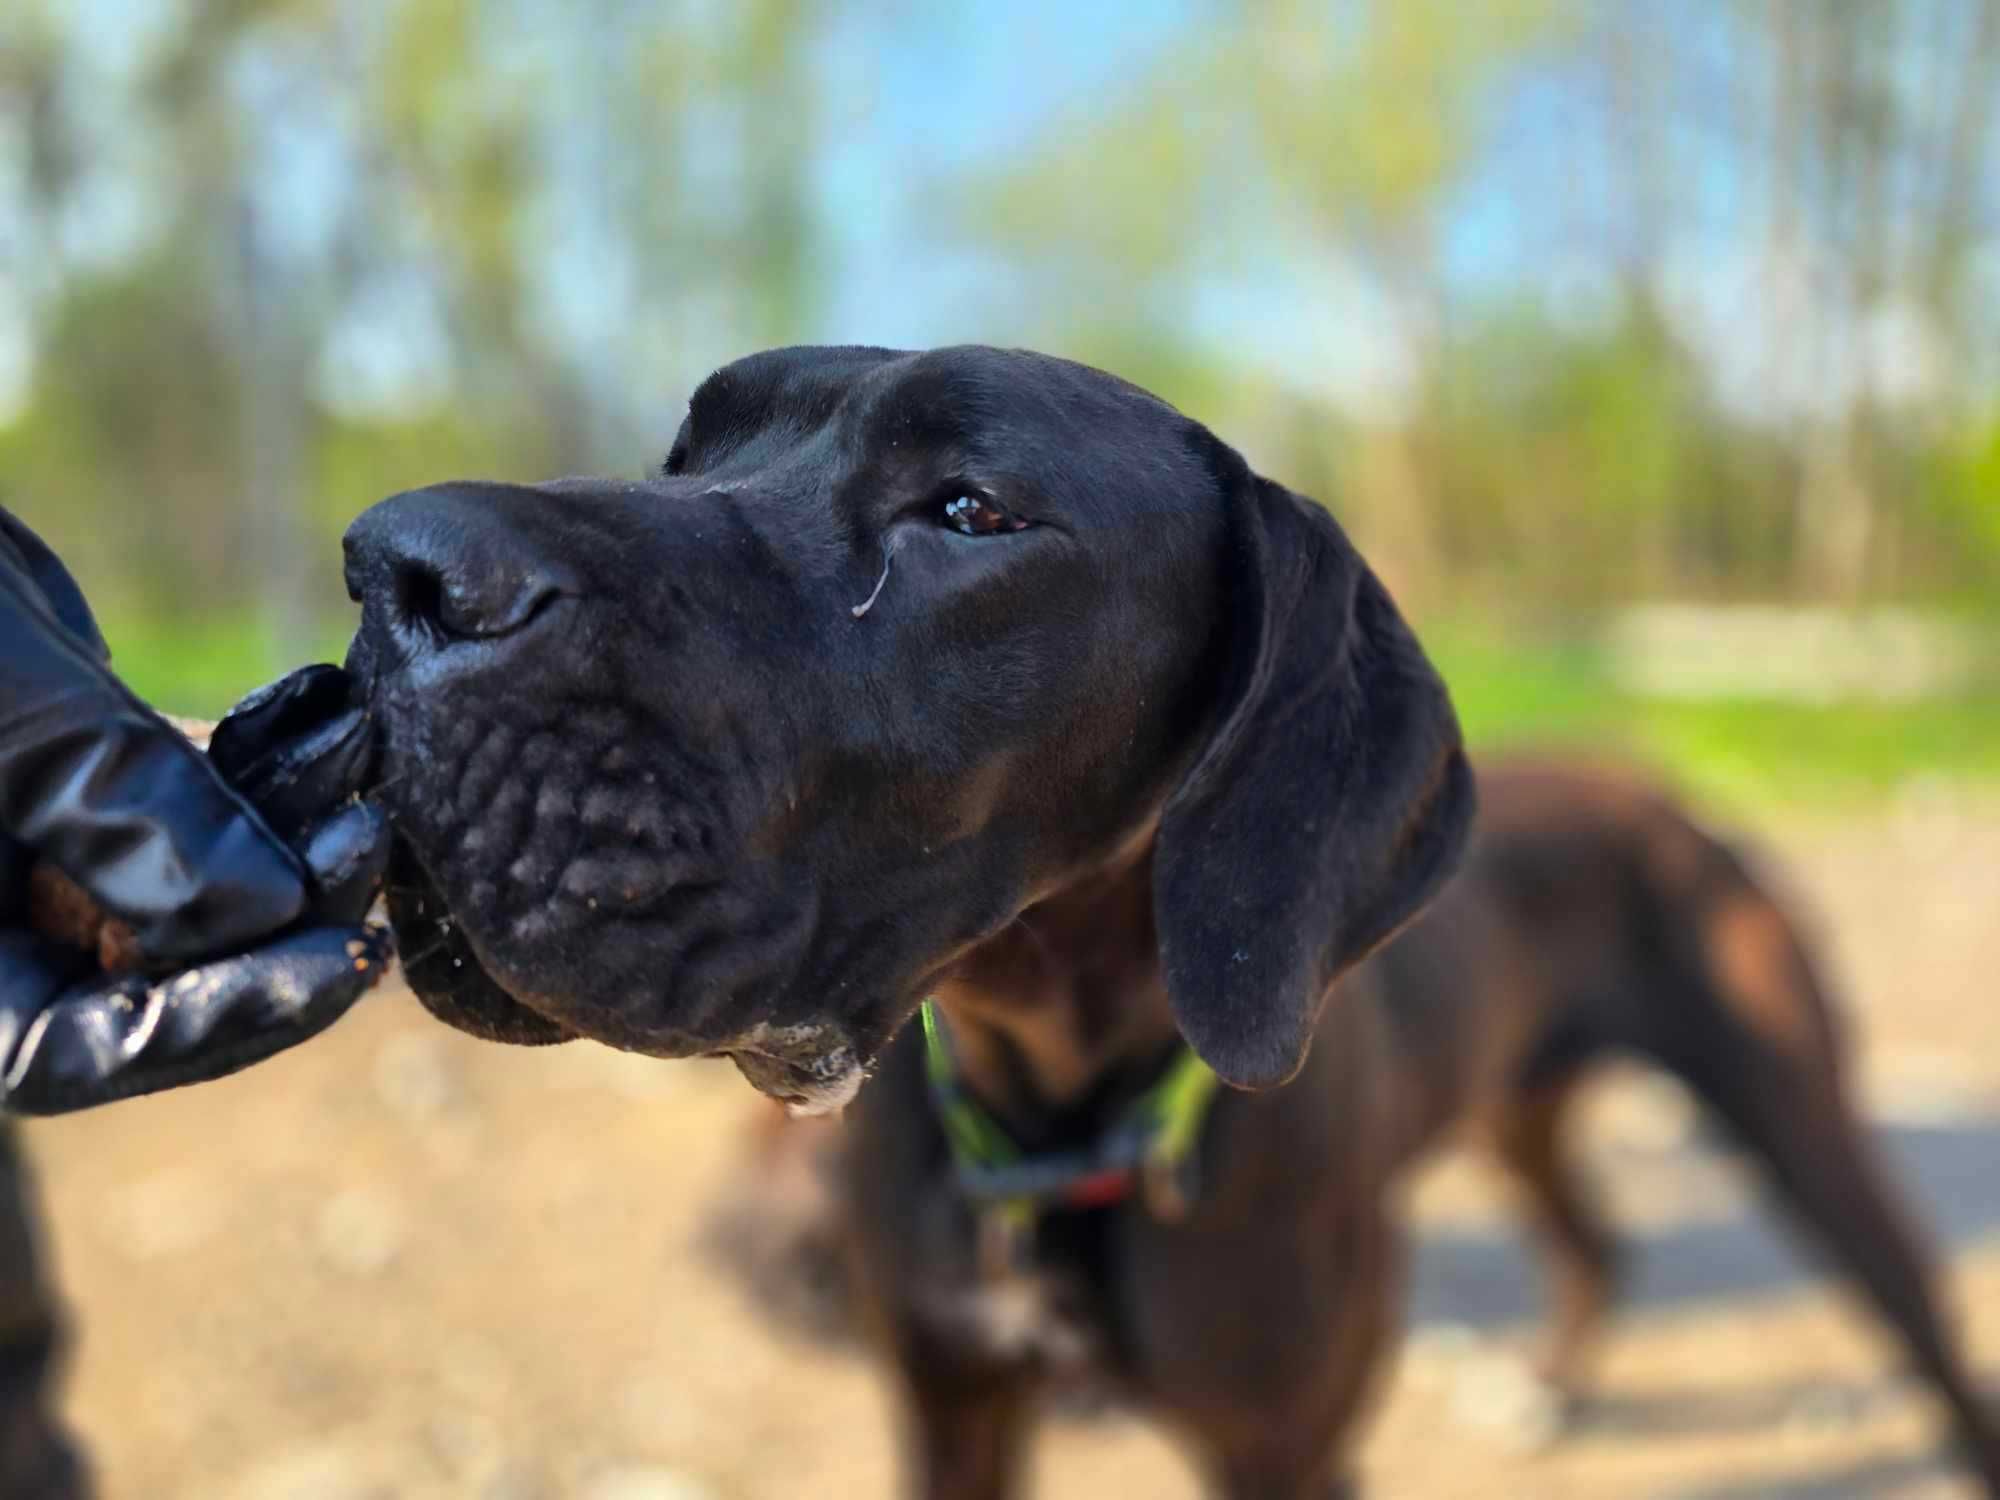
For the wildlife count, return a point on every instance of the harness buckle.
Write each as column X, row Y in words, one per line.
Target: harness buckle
column 1006, row 1233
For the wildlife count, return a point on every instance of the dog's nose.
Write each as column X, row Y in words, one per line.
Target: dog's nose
column 451, row 561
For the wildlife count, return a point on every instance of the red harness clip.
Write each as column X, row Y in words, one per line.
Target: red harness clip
column 1100, row 1189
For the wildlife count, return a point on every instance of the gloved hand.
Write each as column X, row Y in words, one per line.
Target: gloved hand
column 245, row 901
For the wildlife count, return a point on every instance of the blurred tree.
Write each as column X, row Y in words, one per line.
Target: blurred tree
column 1353, row 121
column 362, row 247
column 1562, row 300
column 1593, row 420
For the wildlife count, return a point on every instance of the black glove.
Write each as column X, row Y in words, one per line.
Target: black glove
column 251, row 947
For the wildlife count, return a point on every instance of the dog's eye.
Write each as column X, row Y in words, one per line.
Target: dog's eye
column 972, row 516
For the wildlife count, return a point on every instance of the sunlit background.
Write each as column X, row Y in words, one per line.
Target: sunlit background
column 1570, row 311
column 1651, row 351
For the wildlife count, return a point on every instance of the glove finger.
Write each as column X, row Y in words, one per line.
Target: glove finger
column 272, row 987
column 110, row 794
column 33, row 972
column 146, row 826
column 347, row 855
column 114, row 1039
column 98, row 785
column 279, row 710
column 296, row 748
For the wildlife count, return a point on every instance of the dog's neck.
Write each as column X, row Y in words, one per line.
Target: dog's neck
column 1064, row 1017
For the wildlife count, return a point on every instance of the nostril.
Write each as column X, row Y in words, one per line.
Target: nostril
column 420, row 597
column 458, row 608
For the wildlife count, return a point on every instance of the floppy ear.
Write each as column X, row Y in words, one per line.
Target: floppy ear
column 1330, row 803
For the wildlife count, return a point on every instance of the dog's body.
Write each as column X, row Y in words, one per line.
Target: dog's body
column 974, row 674
column 1592, row 920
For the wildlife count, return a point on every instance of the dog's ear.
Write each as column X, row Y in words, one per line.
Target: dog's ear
column 1331, row 800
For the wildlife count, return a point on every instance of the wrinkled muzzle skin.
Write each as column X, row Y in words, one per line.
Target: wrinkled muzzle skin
column 658, row 779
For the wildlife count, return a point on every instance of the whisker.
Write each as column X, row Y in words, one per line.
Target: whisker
column 411, row 960
column 1041, row 943
column 387, row 782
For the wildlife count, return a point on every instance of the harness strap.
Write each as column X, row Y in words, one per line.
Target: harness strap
column 1150, row 1146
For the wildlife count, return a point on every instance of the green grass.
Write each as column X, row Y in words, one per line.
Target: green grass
column 1510, row 691
column 1744, row 752
column 200, row 669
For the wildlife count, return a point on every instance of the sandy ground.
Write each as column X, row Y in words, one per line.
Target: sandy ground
column 402, row 1264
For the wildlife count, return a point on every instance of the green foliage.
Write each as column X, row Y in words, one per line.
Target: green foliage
column 120, row 466
column 199, row 668
column 1532, row 692
column 356, row 463
column 1959, row 492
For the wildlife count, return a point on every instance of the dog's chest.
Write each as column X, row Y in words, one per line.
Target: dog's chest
column 1023, row 1317
column 1038, row 1310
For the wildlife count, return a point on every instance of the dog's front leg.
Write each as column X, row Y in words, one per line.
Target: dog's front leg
column 1277, row 1475
column 969, row 1444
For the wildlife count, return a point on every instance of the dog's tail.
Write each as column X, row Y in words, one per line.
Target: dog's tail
column 777, row 1227
column 1751, row 1031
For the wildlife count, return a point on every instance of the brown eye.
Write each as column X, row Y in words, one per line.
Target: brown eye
column 971, row 516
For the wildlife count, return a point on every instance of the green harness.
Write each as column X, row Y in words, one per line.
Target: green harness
column 1149, row 1150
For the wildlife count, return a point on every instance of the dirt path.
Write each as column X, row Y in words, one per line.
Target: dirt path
column 402, row 1265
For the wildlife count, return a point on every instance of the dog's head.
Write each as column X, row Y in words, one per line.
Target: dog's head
column 742, row 758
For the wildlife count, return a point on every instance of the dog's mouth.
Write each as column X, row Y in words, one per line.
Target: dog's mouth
column 446, row 974
column 465, row 967
column 810, row 1068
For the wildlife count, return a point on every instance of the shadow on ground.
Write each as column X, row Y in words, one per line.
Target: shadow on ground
column 1854, row 1482
column 1486, row 1278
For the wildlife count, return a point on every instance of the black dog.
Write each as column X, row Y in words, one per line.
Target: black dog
column 904, row 665
column 980, row 676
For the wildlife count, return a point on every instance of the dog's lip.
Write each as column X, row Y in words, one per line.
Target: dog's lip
column 812, row 1067
column 809, row 1069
